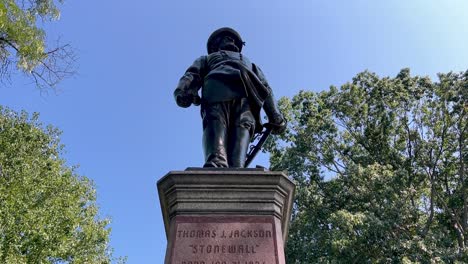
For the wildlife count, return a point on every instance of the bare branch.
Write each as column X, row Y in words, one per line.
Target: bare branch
column 56, row 65
column 9, row 43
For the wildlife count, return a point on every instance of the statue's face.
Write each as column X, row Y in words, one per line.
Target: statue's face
column 227, row 43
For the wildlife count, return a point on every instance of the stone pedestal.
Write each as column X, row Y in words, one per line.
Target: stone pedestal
column 225, row 216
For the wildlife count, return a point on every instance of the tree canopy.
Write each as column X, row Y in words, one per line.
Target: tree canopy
column 380, row 168
column 48, row 213
column 23, row 43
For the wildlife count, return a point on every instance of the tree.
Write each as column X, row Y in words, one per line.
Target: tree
column 48, row 213
column 380, row 168
column 23, row 43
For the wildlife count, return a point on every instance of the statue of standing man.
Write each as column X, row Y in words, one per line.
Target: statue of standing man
column 233, row 91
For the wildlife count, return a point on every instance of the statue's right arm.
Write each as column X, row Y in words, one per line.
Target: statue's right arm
column 186, row 92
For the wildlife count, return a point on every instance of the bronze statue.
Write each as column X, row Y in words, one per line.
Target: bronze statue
column 234, row 90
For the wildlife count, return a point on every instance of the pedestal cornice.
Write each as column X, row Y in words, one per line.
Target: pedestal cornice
column 248, row 192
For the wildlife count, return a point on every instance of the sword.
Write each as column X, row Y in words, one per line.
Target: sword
column 254, row 149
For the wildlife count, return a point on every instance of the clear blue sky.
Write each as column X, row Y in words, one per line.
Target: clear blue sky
column 118, row 115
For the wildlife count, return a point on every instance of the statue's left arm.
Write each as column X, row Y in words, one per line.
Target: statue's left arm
column 271, row 109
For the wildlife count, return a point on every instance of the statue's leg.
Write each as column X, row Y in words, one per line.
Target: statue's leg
column 239, row 143
column 240, row 134
column 214, row 136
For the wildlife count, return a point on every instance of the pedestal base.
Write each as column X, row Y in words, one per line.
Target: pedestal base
column 225, row 216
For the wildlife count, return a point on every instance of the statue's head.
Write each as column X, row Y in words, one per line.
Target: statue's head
column 224, row 38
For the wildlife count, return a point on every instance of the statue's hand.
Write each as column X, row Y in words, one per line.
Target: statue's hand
column 184, row 100
column 196, row 100
column 278, row 125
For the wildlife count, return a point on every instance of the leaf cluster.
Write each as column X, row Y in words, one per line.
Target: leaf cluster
column 380, row 168
column 23, row 42
column 48, row 213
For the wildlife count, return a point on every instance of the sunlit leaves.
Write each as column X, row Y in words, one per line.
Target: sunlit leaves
column 48, row 213
column 380, row 165
column 23, row 42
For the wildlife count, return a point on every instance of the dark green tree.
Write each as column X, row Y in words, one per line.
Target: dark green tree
column 48, row 213
column 23, row 43
column 380, row 166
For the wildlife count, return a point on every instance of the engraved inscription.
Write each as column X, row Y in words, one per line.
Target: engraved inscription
column 231, row 249
column 225, row 234
column 223, row 262
column 224, row 243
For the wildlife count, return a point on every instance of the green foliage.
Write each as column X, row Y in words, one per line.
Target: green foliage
column 48, row 213
column 23, row 42
column 380, row 166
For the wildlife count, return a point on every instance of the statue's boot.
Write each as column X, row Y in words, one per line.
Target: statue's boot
column 214, row 144
column 238, row 145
